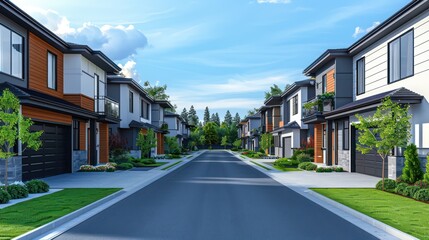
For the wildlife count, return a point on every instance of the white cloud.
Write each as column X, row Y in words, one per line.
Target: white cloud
column 129, row 70
column 274, row 1
column 117, row 42
column 360, row 30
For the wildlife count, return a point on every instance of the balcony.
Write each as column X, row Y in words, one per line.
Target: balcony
column 107, row 107
column 312, row 111
column 272, row 123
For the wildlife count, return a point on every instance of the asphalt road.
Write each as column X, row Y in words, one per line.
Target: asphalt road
column 216, row 196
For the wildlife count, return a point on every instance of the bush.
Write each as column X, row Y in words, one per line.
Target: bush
column 148, row 161
column 421, row 184
column 320, row 169
column 262, row 151
column 426, row 176
column 303, row 165
column 17, row 191
column 311, row 167
column 410, row 191
column 173, row 156
column 400, row 188
column 399, row 179
column 338, row 169
column 4, row 196
column 329, row 169
column 389, row 185
column 37, row 186
column 304, row 157
column 422, row 195
column 286, row 163
column 124, row 166
column 122, row 158
column 412, row 172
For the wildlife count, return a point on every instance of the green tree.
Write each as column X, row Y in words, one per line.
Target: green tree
column 274, row 91
column 252, row 112
column 224, row 141
column 13, row 128
column 412, row 171
column 193, row 117
column 206, row 115
column 426, row 176
column 266, row 141
column 172, row 145
column 157, row 92
column 387, row 128
column 184, row 115
column 237, row 143
column 210, row 133
column 236, row 119
column 228, row 118
column 146, row 141
column 217, row 119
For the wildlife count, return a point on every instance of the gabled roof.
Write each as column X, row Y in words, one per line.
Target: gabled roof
column 135, row 124
column 164, row 103
column 400, row 95
column 95, row 56
column 323, row 59
column 296, row 85
column 171, row 114
column 290, row 125
column 119, row 79
column 273, row 101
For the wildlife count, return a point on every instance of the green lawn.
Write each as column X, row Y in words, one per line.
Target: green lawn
column 403, row 213
column 260, row 165
column 26, row 216
column 289, row 169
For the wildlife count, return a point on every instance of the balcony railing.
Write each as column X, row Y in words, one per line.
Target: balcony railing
column 317, row 107
column 107, row 107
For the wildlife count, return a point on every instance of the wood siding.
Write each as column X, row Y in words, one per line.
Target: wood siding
column 318, row 135
column 160, row 143
column 45, row 115
column 330, row 81
column 38, row 67
column 82, row 135
column 80, row 100
column 104, row 142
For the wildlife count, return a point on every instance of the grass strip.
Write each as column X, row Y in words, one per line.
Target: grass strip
column 260, row 165
column 287, row 169
column 172, row 165
column 402, row 213
column 26, row 216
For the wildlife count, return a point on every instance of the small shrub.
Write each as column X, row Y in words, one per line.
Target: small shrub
column 412, row 172
column 262, row 151
column 86, row 168
column 421, row 184
column 311, row 167
column 399, row 179
column 329, row 169
column 4, row 196
column 122, row 158
column 148, row 161
column 309, row 151
column 37, row 186
column 173, row 156
column 303, row 157
column 410, row 191
column 17, row 191
column 400, row 188
column 338, row 169
column 422, row 195
column 124, row 166
column 303, row 165
column 426, row 175
column 389, row 185
column 320, row 169
column 286, row 163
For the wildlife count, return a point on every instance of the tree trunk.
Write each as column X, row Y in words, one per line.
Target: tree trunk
column 382, row 172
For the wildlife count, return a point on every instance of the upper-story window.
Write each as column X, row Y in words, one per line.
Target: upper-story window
column 324, row 84
column 295, row 104
column 145, row 108
column 401, row 57
column 131, row 102
column 11, row 52
column 52, row 71
column 360, row 76
column 177, row 124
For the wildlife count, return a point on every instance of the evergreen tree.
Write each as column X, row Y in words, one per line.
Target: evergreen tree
column 206, row 115
column 192, row 116
column 237, row 119
column 412, row 171
column 213, row 118
column 217, row 119
column 228, row 118
column 184, row 115
column 274, row 91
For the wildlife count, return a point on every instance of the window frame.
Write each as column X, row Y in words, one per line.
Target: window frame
column 346, row 126
column 388, row 56
column 24, row 42
column 324, row 83
column 55, row 70
column 295, row 105
column 76, row 135
column 323, row 135
column 357, row 76
column 131, row 102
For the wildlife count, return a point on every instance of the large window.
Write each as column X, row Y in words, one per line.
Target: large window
column 346, row 135
column 401, row 57
column 76, row 134
column 131, row 102
column 11, row 52
column 52, row 71
column 145, row 107
column 295, row 105
column 360, row 76
column 324, row 84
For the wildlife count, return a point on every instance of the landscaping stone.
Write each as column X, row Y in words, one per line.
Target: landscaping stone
column 14, row 169
column 79, row 158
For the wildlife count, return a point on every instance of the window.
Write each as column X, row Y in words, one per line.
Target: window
column 324, row 135
column 324, row 85
column 346, row 135
column 11, row 52
column 145, row 107
column 295, row 105
column 401, row 57
column 76, row 134
column 147, row 110
column 131, row 102
column 52, row 71
column 360, row 76
column 177, row 124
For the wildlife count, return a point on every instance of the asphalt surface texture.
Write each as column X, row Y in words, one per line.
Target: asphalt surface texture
column 216, row 196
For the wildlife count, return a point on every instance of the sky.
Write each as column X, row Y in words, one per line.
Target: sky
column 223, row 54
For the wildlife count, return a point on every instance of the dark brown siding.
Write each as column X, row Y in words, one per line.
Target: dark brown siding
column 318, row 135
column 160, row 143
column 330, row 81
column 38, row 69
column 104, row 142
column 80, row 100
column 45, row 115
column 82, row 135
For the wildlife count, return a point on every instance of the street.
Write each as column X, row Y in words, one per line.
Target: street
column 216, row 196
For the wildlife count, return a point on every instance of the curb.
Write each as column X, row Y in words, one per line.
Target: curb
column 64, row 223
column 381, row 229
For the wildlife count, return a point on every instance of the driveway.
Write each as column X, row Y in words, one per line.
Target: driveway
column 216, row 196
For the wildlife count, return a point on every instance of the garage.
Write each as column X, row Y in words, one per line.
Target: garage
column 53, row 158
column 287, row 147
column 370, row 163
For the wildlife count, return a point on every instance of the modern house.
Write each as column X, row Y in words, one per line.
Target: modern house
column 249, row 132
column 332, row 72
column 159, row 108
column 177, row 127
column 390, row 61
column 291, row 132
column 271, row 118
column 57, row 85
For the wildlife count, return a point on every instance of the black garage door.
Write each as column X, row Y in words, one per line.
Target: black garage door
column 53, row 158
column 370, row 163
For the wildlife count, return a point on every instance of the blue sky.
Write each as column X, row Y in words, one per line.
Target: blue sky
column 218, row 53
